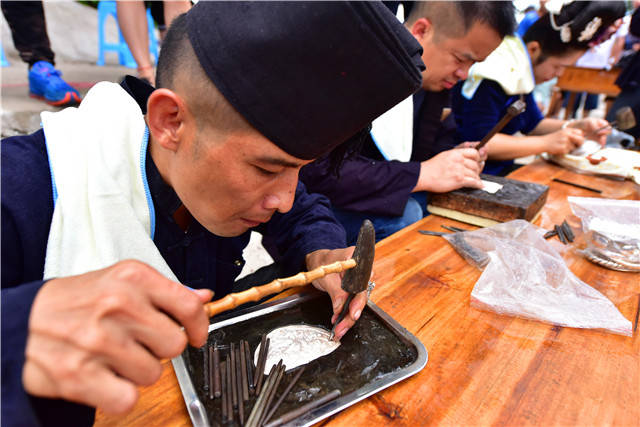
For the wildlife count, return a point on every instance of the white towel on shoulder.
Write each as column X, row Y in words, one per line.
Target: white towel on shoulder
column 102, row 212
column 509, row 65
column 392, row 132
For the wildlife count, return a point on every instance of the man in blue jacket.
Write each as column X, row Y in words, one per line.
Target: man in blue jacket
column 113, row 206
column 555, row 41
column 388, row 182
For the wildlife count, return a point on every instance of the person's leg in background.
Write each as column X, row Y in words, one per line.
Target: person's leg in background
column 164, row 12
column 576, row 103
column 29, row 32
column 590, row 104
column 132, row 20
column 157, row 13
column 422, row 198
column 174, row 8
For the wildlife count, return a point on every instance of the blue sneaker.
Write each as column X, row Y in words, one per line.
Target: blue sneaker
column 45, row 83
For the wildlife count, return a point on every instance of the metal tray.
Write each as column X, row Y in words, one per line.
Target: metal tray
column 375, row 354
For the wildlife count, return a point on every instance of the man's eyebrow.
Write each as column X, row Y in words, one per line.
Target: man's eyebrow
column 278, row 162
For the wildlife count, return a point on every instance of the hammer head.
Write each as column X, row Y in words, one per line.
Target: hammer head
column 356, row 279
column 625, row 119
column 516, row 108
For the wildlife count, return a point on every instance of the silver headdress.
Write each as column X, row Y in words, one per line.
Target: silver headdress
column 565, row 30
column 554, row 7
column 590, row 29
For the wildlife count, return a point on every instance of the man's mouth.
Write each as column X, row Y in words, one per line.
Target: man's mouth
column 252, row 222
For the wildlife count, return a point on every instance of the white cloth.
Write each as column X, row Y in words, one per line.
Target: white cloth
column 555, row 6
column 102, row 212
column 509, row 65
column 392, row 132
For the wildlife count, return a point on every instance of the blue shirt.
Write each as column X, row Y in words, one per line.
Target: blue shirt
column 527, row 21
column 197, row 257
column 475, row 117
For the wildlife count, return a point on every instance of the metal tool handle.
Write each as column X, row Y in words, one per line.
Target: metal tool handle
column 513, row 110
column 257, row 292
column 610, row 125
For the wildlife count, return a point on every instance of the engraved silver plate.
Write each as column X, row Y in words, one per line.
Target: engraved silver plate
column 196, row 408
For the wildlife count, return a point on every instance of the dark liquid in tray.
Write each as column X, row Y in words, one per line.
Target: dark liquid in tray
column 368, row 352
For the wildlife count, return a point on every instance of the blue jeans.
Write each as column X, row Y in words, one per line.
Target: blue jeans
column 591, row 103
column 385, row 225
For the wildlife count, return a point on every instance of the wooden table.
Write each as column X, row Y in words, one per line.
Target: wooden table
column 483, row 368
column 580, row 79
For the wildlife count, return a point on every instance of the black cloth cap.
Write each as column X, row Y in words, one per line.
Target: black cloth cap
column 307, row 75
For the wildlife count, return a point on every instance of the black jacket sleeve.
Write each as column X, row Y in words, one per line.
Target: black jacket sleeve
column 27, row 207
column 375, row 186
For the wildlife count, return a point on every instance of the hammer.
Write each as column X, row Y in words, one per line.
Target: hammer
column 359, row 266
column 513, row 110
column 357, row 279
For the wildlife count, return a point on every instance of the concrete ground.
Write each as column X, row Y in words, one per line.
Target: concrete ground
column 73, row 32
column 21, row 114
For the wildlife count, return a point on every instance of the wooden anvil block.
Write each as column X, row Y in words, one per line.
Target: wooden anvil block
column 515, row 200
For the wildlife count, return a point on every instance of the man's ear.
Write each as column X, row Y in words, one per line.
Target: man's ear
column 422, row 29
column 534, row 49
column 165, row 117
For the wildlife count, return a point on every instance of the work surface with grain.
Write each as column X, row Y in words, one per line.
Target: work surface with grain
column 483, row 368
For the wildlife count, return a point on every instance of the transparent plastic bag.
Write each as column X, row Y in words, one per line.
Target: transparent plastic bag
column 524, row 276
column 611, row 231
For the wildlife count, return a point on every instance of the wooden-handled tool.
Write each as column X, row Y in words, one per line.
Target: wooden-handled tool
column 513, row 110
column 356, row 280
column 256, row 293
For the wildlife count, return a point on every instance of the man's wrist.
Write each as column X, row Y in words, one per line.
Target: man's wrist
column 313, row 259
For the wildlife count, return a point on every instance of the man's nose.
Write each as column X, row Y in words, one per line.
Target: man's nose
column 283, row 193
column 463, row 72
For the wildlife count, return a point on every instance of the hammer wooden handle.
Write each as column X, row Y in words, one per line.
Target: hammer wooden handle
column 254, row 294
column 513, row 110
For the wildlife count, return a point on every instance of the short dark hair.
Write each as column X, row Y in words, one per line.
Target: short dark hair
column 575, row 17
column 172, row 55
column 179, row 70
column 455, row 19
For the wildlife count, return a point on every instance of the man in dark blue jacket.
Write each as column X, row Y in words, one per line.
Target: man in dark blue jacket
column 115, row 204
column 391, row 189
column 555, row 41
